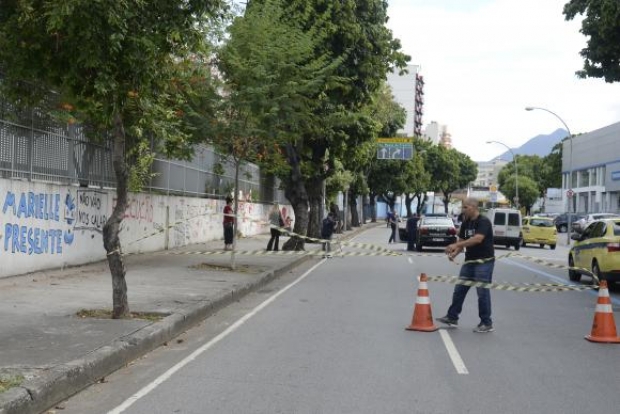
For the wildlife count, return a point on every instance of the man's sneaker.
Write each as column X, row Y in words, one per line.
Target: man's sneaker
column 482, row 328
column 448, row 321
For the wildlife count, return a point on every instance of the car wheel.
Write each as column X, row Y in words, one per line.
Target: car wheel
column 523, row 243
column 563, row 228
column 542, row 245
column 573, row 275
column 517, row 245
column 418, row 247
column 552, row 246
column 596, row 271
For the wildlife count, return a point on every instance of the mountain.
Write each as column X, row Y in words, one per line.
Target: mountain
column 540, row 145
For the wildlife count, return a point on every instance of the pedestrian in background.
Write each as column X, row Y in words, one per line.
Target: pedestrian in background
column 229, row 224
column 412, row 231
column 275, row 222
column 327, row 230
column 476, row 237
column 392, row 220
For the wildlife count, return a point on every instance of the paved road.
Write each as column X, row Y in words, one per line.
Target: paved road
column 330, row 339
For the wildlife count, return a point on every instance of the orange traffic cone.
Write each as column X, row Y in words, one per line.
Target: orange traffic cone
column 422, row 314
column 604, row 326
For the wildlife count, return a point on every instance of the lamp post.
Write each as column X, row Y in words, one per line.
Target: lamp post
column 514, row 158
column 569, row 184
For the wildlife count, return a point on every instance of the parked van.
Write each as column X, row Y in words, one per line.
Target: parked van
column 507, row 228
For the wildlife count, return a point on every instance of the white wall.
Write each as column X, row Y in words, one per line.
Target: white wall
column 44, row 226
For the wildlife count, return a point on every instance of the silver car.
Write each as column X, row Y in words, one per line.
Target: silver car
column 580, row 225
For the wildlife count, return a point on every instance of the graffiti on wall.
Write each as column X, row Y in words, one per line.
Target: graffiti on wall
column 36, row 223
column 91, row 210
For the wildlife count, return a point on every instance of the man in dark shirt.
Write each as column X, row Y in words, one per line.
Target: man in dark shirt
column 476, row 237
column 412, row 232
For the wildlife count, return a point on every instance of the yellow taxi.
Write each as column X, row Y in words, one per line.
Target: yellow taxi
column 539, row 230
column 597, row 249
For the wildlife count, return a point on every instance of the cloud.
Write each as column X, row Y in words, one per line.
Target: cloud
column 483, row 62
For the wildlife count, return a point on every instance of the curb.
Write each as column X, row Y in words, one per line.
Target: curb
column 57, row 384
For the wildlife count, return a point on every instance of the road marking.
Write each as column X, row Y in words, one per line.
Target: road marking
column 457, row 361
column 166, row 375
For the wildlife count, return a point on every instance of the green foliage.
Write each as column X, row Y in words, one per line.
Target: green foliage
column 528, row 191
column 602, row 25
column 112, row 61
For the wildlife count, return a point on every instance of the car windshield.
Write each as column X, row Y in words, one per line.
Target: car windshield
column 437, row 221
column 541, row 223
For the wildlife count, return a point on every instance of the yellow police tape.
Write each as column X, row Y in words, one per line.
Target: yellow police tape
column 274, row 253
column 523, row 287
column 382, row 251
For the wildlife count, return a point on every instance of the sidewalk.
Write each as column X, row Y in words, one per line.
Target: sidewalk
column 54, row 353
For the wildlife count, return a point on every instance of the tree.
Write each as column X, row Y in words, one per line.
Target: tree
column 450, row 170
column 528, row 191
column 602, row 25
column 355, row 32
column 531, row 166
column 123, row 66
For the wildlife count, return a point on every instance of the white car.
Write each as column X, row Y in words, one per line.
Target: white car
column 580, row 225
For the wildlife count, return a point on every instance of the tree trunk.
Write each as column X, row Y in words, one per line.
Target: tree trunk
column 373, row 207
column 111, row 229
column 355, row 217
column 315, row 199
column 408, row 200
column 295, row 192
column 233, row 263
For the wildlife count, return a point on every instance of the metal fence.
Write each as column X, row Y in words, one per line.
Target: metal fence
column 35, row 146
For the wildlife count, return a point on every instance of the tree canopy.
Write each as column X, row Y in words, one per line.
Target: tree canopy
column 601, row 24
column 123, row 67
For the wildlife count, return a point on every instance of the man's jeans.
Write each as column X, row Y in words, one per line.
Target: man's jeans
column 479, row 272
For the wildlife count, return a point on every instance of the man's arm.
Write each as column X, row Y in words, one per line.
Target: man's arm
column 455, row 248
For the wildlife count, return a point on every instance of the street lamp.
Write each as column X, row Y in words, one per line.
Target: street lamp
column 569, row 184
column 514, row 158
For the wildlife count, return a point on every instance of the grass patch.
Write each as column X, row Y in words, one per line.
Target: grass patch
column 107, row 314
column 9, row 382
column 239, row 268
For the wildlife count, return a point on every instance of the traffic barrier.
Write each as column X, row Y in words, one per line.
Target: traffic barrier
column 604, row 326
column 422, row 319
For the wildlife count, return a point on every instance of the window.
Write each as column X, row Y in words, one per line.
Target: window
column 542, row 223
column 499, row 219
column 598, row 229
column 513, row 219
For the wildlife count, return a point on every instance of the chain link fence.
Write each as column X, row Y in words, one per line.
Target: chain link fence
column 36, row 146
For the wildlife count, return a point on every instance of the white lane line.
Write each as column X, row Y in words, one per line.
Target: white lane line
column 166, row 375
column 457, row 361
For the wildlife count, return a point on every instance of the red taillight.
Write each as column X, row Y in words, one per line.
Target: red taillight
column 452, row 232
column 423, row 230
column 613, row 247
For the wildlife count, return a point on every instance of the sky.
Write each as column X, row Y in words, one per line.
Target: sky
column 484, row 61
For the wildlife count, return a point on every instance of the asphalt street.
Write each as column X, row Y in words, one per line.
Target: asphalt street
column 329, row 338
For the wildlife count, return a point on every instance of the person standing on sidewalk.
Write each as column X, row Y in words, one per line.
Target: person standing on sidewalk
column 275, row 221
column 476, row 237
column 393, row 222
column 229, row 224
column 327, row 230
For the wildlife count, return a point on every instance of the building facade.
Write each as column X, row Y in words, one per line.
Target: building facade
column 591, row 168
column 488, row 172
column 408, row 91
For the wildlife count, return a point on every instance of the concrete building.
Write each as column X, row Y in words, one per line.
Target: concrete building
column 595, row 165
column 408, row 91
column 488, row 172
column 432, row 132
